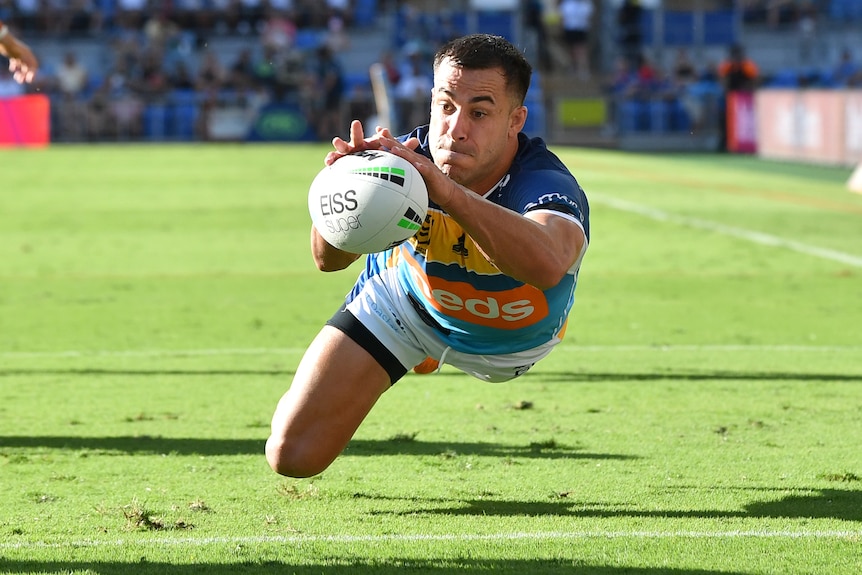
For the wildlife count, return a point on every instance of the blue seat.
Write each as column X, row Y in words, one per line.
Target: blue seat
column 182, row 122
column 633, row 116
column 719, row 27
column 155, row 122
column 659, row 117
column 785, row 78
column 364, row 12
column 183, row 96
column 678, row 28
column 679, row 118
column 499, row 22
column 308, row 39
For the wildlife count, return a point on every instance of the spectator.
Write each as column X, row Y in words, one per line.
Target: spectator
column 629, row 18
column 29, row 18
column 160, row 31
column 290, row 77
column 81, row 18
column 251, row 14
column 327, row 79
column 124, row 118
column 737, row 72
column 265, row 68
column 336, row 33
column 393, row 71
column 227, row 15
column 71, row 76
column 684, row 70
column 278, row 30
column 193, row 16
column 647, row 79
column 847, row 74
column 685, row 79
column 340, row 9
column 575, row 18
column 534, row 22
column 621, row 79
column 180, row 77
column 151, row 82
column 131, row 14
column 240, row 75
column 413, row 92
column 70, row 80
column 211, row 74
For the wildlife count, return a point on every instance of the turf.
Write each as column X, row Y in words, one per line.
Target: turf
column 701, row 417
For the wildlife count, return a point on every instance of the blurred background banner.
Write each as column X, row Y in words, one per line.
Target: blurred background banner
column 25, row 121
column 281, row 123
column 741, row 123
column 819, row 126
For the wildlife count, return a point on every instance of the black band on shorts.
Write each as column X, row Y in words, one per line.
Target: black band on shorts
column 351, row 327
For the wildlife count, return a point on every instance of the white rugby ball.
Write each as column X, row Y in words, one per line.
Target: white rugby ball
column 368, row 201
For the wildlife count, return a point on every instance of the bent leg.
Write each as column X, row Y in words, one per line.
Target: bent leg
column 335, row 386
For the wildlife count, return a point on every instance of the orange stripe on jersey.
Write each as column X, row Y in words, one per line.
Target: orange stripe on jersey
column 510, row 309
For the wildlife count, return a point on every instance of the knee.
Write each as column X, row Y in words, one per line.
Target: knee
column 292, row 459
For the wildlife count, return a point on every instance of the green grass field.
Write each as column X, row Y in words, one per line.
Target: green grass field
column 703, row 415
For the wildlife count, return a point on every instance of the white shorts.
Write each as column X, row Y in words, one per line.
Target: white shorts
column 393, row 324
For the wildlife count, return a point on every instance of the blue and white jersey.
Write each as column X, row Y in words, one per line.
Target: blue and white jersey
column 483, row 310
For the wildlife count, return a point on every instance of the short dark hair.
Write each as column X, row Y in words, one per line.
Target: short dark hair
column 486, row 51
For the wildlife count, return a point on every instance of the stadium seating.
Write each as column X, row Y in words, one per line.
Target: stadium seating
column 685, row 28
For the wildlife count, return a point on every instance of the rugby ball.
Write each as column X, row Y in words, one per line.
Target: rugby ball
column 368, row 201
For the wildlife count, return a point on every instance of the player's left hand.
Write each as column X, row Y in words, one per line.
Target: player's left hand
column 22, row 62
column 359, row 142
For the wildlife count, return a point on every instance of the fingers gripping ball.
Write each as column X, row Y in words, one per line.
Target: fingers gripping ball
column 368, row 201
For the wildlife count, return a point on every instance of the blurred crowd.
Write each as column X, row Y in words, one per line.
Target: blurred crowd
column 160, row 53
column 62, row 18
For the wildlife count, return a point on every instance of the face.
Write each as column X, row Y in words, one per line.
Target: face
column 474, row 125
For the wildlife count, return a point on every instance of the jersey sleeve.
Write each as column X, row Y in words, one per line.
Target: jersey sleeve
column 553, row 191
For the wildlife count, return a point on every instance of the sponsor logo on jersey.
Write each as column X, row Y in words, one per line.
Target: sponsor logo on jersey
column 459, row 248
column 556, row 198
column 509, row 309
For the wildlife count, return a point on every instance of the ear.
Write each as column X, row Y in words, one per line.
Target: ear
column 517, row 119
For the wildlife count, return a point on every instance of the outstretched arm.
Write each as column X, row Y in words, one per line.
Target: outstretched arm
column 537, row 248
column 22, row 62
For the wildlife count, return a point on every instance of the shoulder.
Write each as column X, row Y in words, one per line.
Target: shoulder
column 539, row 178
column 534, row 158
column 421, row 134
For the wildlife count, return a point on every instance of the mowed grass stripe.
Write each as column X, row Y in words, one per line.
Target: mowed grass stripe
column 463, row 537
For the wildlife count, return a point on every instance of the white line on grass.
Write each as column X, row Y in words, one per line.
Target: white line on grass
column 215, row 352
column 750, row 235
column 409, row 538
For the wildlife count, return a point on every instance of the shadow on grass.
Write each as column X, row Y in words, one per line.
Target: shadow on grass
column 683, row 375
column 845, row 505
column 391, row 567
column 146, row 444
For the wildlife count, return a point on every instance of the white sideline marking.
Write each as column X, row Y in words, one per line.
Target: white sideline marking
column 405, row 538
column 214, row 352
column 750, row 235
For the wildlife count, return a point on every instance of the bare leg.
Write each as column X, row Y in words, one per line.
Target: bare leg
column 335, row 386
